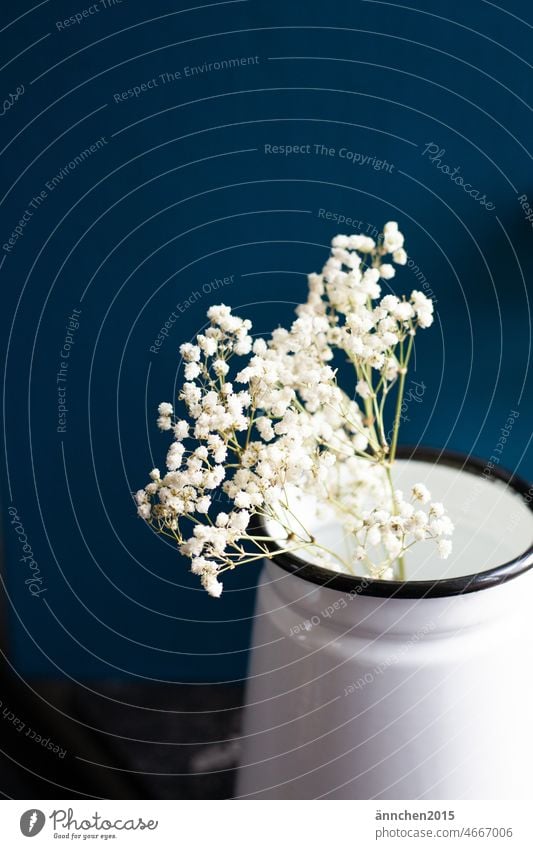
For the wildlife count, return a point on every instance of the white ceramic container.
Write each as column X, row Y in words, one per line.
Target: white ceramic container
column 416, row 690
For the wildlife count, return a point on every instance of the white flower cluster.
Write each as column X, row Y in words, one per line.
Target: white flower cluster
column 282, row 423
column 396, row 530
column 344, row 292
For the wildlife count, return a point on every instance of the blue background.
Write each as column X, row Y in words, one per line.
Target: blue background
column 181, row 194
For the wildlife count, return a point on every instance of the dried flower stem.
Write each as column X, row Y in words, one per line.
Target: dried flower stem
column 291, row 430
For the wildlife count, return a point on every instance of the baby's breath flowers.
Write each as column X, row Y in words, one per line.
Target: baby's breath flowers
column 265, row 422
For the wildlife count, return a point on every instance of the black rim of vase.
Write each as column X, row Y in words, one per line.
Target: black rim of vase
column 423, row 589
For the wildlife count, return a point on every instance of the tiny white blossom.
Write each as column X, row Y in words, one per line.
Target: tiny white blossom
column 190, row 353
column 421, row 493
column 208, row 345
column 423, row 307
column 387, row 271
column 239, row 521
column 399, row 256
column 340, row 242
column 212, row 585
column 442, row 526
column 181, row 429
column 392, row 238
column 363, row 389
column 265, row 428
column 192, row 370
column 203, row 504
column 445, row 548
column 220, row 368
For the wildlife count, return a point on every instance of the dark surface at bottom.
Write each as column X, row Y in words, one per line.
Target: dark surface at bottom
column 120, row 741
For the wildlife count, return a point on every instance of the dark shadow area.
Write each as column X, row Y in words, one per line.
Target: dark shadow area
column 122, row 741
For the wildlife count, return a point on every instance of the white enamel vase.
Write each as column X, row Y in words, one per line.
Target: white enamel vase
column 362, row 689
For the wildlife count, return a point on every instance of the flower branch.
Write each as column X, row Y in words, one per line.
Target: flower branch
column 266, row 425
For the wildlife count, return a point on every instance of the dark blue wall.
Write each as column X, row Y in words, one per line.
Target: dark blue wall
column 179, row 193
